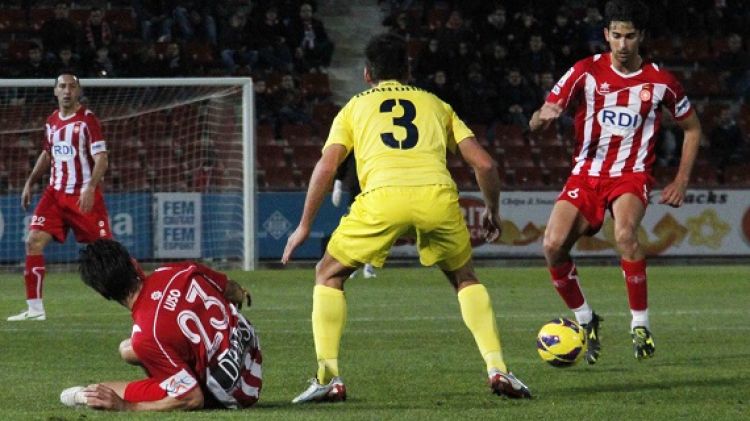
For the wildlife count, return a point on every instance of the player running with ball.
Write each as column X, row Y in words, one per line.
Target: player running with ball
column 619, row 104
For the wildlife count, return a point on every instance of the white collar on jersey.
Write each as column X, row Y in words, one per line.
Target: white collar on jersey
column 59, row 115
column 625, row 75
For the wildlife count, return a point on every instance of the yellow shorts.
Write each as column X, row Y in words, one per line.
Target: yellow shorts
column 379, row 217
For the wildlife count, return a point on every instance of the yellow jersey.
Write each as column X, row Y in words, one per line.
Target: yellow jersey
column 399, row 134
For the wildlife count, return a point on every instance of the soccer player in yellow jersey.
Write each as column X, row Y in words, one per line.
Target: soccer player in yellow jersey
column 400, row 135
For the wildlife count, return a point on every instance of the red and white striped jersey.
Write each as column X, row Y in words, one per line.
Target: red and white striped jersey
column 187, row 335
column 72, row 143
column 617, row 115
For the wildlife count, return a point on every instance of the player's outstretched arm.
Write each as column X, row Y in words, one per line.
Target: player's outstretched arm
column 674, row 193
column 108, row 396
column 40, row 168
column 489, row 183
column 545, row 115
column 320, row 182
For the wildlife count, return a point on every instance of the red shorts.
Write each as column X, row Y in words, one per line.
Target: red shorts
column 593, row 196
column 58, row 211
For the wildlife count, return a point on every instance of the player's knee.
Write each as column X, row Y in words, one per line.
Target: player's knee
column 127, row 353
column 552, row 245
column 327, row 274
column 34, row 243
column 626, row 238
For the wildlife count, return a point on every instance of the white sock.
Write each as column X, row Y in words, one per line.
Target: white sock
column 35, row 305
column 584, row 314
column 640, row 318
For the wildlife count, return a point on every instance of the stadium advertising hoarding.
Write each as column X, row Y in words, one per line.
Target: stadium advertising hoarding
column 710, row 223
column 127, row 213
column 278, row 215
column 178, row 225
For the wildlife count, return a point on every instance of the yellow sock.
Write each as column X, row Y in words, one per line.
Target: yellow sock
column 328, row 319
column 476, row 310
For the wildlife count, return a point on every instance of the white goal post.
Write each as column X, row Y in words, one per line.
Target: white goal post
column 184, row 143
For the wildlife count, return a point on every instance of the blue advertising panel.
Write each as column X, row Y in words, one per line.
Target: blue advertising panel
column 278, row 215
column 222, row 226
column 129, row 214
column 132, row 219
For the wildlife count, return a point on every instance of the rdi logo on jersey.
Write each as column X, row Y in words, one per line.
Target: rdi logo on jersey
column 63, row 151
column 620, row 121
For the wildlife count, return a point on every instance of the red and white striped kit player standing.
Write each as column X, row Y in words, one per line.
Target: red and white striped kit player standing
column 619, row 99
column 75, row 153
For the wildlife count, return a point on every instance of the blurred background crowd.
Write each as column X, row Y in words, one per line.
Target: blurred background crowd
column 494, row 61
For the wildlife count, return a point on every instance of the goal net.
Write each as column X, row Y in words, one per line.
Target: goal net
column 180, row 182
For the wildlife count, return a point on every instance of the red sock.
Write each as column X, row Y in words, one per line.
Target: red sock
column 565, row 280
column 34, row 276
column 635, row 279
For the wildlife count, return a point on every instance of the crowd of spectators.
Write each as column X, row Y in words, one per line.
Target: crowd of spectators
column 494, row 61
column 152, row 38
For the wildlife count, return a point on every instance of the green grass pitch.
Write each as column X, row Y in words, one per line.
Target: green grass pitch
column 407, row 355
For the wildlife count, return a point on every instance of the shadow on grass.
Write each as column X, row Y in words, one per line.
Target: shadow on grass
column 640, row 387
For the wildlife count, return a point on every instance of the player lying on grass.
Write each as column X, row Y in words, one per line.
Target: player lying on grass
column 198, row 350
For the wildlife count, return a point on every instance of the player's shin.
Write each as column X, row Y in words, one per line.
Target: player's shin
column 565, row 280
column 476, row 310
column 34, row 278
column 636, row 281
column 328, row 320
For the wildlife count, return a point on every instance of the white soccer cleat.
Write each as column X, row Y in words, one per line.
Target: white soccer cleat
column 73, row 397
column 27, row 315
column 369, row 272
column 334, row 391
column 506, row 384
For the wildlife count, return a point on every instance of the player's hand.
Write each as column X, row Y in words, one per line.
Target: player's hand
column 99, row 396
column 26, row 197
column 298, row 237
column 337, row 192
column 86, row 200
column 674, row 194
column 550, row 111
column 545, row 115
column 491, row 226
column 237, row 295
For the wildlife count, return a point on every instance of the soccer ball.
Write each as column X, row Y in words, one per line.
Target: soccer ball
column 561, row 342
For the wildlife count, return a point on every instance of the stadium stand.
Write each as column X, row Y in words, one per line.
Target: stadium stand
column 462, row 50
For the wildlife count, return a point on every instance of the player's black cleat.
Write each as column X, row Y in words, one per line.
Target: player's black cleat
column 592, row 339
column 643, row 343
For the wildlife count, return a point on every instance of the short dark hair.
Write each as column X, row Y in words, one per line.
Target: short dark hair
column 106, row 266
column 385, row 56
column 68, row 72
column 634, row 11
